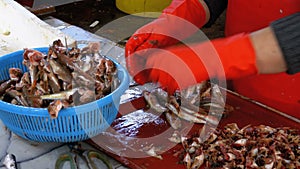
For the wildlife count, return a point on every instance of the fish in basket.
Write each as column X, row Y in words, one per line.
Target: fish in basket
column 60, row 94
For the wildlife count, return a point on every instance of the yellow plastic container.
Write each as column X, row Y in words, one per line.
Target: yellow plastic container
column 145, row 8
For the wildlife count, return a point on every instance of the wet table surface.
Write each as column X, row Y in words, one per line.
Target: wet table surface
column 33, row 155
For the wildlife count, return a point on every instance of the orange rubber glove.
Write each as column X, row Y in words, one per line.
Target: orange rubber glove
column 178, row 21
column 179, row 67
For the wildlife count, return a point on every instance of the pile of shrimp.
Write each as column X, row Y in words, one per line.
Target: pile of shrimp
column 250, row 147
column 61, row 78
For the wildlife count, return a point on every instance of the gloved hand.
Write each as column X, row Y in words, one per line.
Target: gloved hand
column 177, row 22
column 179, row 67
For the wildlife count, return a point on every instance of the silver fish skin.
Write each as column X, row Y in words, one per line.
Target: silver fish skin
column 10, row 161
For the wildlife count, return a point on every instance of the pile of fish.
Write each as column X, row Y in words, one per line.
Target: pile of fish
column 250, row 147
column 201, row 103
column 61, row 78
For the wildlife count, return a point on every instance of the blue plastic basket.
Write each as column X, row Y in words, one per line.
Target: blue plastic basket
column 73, row 124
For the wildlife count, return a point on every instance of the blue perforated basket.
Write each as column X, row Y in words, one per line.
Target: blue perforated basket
column 73, row 124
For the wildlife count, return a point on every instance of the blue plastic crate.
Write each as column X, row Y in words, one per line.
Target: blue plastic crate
column 73, row 124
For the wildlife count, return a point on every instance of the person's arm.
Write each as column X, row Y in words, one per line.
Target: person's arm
column 269, row 58
column 233, row 57
column 277, row 47
column 287, row 32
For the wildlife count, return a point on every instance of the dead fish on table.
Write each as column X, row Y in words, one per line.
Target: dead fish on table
column 188, row 104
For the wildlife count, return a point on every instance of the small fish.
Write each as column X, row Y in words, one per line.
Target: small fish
column 15, row 74
column 57, row 96
column 175, row 138
column 184, row 115
column 187, row 160
column 62, row 72
column 10, row 161
column 153, row 102
column 54, row 108
column 153, row 153
column 5, row 85
column 18, row 96
column 173, row 120
column 198, row 161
